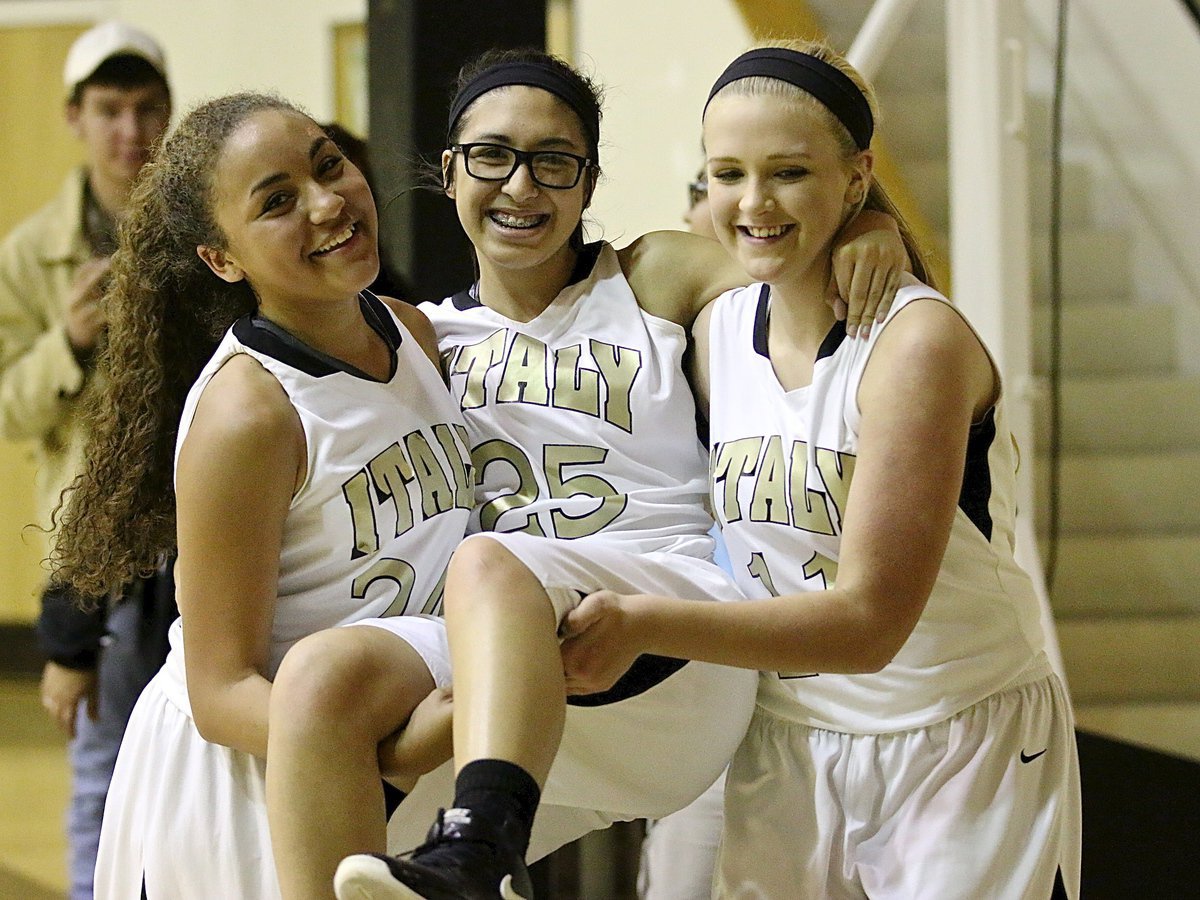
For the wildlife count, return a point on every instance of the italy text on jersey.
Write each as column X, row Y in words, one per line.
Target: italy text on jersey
column 405, row 484
column 593, row 380
column 756, row 481
column 533, row 373
column 778, row 480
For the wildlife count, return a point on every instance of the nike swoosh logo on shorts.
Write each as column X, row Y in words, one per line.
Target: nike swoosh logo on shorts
column 1032, row 757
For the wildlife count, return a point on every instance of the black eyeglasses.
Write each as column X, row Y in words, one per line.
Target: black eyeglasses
column 697, row 191
column 496, row 162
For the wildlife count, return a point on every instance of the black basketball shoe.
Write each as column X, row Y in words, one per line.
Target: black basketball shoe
column 463, row 858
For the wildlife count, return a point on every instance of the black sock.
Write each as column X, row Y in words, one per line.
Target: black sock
column 496, row 790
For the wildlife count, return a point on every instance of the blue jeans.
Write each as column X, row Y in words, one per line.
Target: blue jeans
column 128, row 660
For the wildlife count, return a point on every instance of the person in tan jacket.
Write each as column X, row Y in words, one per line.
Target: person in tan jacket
column 100, row 651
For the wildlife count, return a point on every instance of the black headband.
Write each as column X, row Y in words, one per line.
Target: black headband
column 534, row 75
column 826, row 83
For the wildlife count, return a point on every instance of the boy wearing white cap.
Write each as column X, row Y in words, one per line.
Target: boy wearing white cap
column 52, row 271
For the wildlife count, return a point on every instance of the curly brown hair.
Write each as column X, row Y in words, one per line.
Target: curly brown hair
column 166, row 313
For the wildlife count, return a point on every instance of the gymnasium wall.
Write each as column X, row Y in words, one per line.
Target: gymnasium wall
column 657, row 62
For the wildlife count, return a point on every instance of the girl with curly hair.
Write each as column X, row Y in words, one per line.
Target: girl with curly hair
column 289, row 434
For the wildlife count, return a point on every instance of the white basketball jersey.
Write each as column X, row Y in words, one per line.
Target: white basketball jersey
column 388, row 486
column 781, row 463
column 581, row 421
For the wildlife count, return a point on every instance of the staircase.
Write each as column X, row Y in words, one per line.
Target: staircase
column 1126, row 590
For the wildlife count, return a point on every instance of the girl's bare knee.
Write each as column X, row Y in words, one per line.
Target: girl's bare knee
column 322, row 676
column 484, row 573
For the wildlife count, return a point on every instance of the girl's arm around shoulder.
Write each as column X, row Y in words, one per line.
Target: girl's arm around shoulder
column 674, row 274
column 239, row 467
column 418, row 325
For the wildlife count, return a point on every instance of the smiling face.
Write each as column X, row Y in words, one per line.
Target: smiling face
column 298, row 218
column 779, row 186
column 518, row 225
column 118, row 126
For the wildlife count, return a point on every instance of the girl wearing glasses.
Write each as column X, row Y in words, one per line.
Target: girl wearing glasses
column 566, row 359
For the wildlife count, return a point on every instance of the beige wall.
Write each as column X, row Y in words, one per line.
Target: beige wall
column 657, row 61
column 217, row 46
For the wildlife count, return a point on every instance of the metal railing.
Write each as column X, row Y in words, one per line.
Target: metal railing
column 880, row 30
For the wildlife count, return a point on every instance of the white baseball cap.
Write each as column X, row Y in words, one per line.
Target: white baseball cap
column 106, row 40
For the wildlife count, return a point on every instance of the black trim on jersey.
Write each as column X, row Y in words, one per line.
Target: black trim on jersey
column 647, row 671
column 762, row 318
column 261, row 334
column 584, row 263
column 376, row 313
column 832, row 341
column 976, row 491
